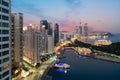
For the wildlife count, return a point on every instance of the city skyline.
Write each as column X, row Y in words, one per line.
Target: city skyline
column 41, row 39
column 98, row 14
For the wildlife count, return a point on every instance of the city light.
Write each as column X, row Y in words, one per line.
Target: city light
column 59, row 40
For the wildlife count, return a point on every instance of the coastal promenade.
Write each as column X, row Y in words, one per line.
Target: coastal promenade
column 86, row 68
column 45, row 68
column 107, row 58
column 38, row 73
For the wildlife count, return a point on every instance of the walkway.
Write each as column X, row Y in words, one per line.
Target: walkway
column 38, row 73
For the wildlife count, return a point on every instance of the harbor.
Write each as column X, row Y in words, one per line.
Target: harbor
column 85, row 69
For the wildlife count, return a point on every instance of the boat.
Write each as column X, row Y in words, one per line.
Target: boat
column 62, row 66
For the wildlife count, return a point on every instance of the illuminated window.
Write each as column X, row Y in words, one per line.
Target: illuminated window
column 5, row 66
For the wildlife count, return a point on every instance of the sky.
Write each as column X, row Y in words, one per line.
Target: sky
column 101, row 15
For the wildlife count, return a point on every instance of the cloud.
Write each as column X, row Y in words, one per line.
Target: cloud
column 34, row 12
column 74, row 10
column 27, row 8
column 73, row 4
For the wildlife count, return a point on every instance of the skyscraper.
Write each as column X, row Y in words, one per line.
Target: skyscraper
column 76, row 30
column 5, row 42
column 56, row 34
column 50, row 44
column 50, row 26
column 44, row 36
column 17, row 40
column 47, row 26
column 31, row 45
column 85, row 29
column 45, row 23
column 80, row 28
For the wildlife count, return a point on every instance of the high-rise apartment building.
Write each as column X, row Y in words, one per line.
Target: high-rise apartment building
column 56, row 34
column 50, row 44
column 5, row 40
column 47, row 26
column 32, row 45
column 76, row 30
column 45, row 23
column 50, row 38
column 17, row 40
column 50, row 26
column 85, row 29
column 43, row 41
column 80, row 29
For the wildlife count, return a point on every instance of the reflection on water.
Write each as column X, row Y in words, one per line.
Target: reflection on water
column 86, row 69
column 62, row 70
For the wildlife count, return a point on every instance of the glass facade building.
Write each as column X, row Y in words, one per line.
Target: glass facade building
column 56, row 34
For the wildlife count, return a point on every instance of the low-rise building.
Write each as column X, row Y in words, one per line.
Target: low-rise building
column 102, row 42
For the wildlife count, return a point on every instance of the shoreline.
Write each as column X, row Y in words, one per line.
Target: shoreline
column 114, row 60
column 45, row 76
column 103, row 58
column 106, row 59
column 97, row 57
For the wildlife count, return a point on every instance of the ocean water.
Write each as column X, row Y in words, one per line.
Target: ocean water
column 115, row 38
column 86, row 69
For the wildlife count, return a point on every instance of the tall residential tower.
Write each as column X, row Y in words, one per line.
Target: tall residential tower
column 56, row 34
column 32, row 45
column 17, row 40
column 85, row 29
column 80, row 29
column 5, row 40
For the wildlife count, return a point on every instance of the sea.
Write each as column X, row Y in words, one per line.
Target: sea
column 84, row 68
column 114, row 38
